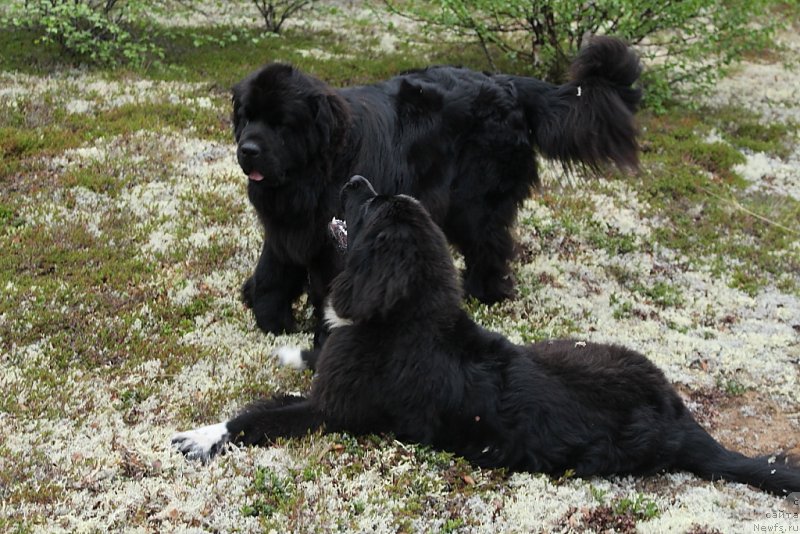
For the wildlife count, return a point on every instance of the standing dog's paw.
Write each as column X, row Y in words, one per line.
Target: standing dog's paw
column 247, row 292
column 291, row 357
column 201, row 443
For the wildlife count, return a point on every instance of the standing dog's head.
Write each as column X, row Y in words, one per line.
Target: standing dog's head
column 398, row 263
column 284, row 121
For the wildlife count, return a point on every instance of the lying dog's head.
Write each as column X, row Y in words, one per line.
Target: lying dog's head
column 398, row 264
column 284, row 121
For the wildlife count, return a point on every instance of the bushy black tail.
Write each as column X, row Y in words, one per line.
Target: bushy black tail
column 706, row 458
column 590, row 119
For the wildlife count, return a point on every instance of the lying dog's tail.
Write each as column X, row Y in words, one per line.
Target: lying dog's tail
column 706, row 458
column 589, row 120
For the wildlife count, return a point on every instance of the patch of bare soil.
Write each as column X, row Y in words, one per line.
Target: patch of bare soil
column 751, row 423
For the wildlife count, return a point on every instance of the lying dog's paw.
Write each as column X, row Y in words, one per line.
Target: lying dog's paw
column 291, row 357
column 201, row 443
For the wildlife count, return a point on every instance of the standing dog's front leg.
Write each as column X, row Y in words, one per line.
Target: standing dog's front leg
column 259, row 423
column 272, row 289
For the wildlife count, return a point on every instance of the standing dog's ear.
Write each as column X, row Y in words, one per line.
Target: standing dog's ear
column 379, row 273
column 236, row 121
column 330, row 117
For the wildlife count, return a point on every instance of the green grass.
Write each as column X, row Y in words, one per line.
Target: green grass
column 82, row 294
column 621, row 514
column 638, row 506
column 674, row 147
column 610, row 240
column 731, row 386
column 215, row 208
column 221, row 56
column 745, row 130
column 23, row 486
column 206, row 123
column 622, row 309
column 24, row 149
column 416, row 483
column 21, row 53
column 272, row 493
column 661, row 294
column 710, row 216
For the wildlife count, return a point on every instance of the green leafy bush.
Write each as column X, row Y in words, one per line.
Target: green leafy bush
column 686, row 43
column 94, row 32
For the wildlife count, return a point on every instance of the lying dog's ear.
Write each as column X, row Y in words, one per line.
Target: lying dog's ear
column 379, row 274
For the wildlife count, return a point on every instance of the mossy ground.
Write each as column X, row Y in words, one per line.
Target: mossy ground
column 125, row 233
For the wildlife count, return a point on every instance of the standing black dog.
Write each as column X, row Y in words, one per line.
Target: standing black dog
column 460, row 141
column 413, row 363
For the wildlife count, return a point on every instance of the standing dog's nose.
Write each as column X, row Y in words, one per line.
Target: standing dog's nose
column 249, row 148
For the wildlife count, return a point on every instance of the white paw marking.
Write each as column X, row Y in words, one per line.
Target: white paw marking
column 291, row 357
column 580, row 343
column 332, row 320
column 201, row 443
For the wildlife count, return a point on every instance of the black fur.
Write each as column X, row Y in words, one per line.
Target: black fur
column 460, row 141
column 414, row 364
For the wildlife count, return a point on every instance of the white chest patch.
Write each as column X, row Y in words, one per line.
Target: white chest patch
column 332, row 320
column 201, row 443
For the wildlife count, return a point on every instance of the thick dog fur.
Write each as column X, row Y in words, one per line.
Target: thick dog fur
column 411, row 362
column 460, row 141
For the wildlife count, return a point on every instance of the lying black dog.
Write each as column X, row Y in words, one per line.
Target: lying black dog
column 460, row 141
column 413, row 363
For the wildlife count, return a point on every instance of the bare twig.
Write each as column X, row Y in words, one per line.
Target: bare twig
column 276, row 12
column 735, row 203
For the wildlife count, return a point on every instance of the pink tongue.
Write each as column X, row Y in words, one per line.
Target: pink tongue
column 256, row 176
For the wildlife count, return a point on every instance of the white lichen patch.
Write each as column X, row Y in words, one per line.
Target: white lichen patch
column 767, row 88
column 774, row 100
column 734, row 508
column 318, row 53
column 621, row 210
column 183, row 296
column 233, row 13
column 80, row 92
column 759, row 345
column 162, row 204
column 535, row 501
column 772, row 174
